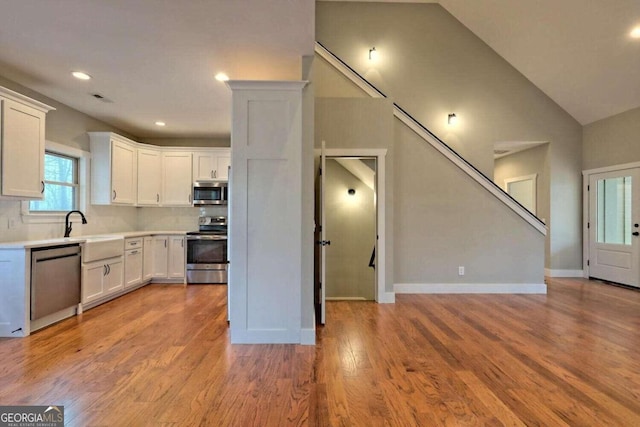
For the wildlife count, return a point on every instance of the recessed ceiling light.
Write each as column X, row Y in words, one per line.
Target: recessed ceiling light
column 635, row 33
column 80, row 75
column 160, row 123
column 222, row 77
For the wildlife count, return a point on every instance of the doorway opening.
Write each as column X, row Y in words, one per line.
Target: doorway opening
column 353, row 173
column 350, row 211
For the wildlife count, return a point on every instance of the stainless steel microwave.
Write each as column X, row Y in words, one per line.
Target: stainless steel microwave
column 210, row 193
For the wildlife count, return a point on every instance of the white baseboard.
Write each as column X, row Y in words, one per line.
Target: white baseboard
column 470, row 288
column 308, row 336
column 387, row 298
column 563, row 273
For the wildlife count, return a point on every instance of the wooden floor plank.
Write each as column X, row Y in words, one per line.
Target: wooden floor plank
column 160, row 356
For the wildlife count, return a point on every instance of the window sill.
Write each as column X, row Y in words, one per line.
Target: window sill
column 43, row 218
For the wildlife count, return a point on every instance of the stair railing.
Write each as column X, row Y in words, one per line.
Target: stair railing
column 432, row 139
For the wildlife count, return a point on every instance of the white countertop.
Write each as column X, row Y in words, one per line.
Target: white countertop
column 28, row 244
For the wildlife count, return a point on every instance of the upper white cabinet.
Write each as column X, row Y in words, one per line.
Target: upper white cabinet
column 176, row 178
column 22, row 126
column 212, row 164
column 149, row 176
column 114, row 169
column 125, row 172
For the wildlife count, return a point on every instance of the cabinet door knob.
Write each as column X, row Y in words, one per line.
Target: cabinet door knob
column 104, row 268
column 42, row 191
column 158, row 198
column 114, row 194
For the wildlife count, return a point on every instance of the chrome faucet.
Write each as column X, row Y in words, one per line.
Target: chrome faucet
column 67, row 224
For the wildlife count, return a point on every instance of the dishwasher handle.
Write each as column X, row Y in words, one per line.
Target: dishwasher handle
column 49, row 253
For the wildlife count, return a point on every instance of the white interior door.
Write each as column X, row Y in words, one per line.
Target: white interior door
column 321, row 241
column 614, row 226
column 323, row 235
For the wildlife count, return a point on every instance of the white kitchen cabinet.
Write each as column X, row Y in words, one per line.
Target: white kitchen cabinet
column 147, row 254
column 160, row 256
column 176, row 179
column 211, row 164
column 176, row 260
column 114, row 280
column 168, row 257
column 114, row 169
column 149, row 177
column 101, row 278
column 22, row 125
column 133, row 262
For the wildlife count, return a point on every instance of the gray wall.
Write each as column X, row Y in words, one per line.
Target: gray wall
column 360, row 123
column 65, row 125
column 528, row 162
column 437, row 217
column 431, row 65
column 351, row 228
column 612, row 141
column 444, row 220
column 69, row 127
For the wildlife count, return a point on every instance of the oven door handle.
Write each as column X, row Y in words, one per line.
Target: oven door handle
column 205, row 237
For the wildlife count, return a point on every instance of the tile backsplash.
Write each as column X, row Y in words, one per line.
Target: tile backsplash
column 102, row 220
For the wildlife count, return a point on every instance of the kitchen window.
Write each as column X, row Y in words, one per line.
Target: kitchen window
column 65, row 178
column 60, row 184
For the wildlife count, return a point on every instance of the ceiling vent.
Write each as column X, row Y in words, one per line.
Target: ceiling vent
column 101, row 98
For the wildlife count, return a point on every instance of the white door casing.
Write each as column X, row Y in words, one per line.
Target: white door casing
column 381, row 294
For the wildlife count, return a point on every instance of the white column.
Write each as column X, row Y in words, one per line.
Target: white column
column 266, row 212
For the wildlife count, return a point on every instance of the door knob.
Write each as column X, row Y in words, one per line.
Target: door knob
column 636, row 233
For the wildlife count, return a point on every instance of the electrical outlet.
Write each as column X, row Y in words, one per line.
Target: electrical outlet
column 461, row 270
column 11, row 223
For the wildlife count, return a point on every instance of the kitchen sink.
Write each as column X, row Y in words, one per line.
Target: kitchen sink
column 97, row 248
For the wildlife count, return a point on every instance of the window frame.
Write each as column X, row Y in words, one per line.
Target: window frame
column 83, row 176
column 533, row 180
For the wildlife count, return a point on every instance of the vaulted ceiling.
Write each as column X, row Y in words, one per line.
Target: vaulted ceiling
column 156, row 60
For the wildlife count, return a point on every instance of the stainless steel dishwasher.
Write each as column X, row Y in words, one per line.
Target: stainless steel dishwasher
column 55, row 279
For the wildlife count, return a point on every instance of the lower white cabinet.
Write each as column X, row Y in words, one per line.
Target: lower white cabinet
column 160, row 256
column 133, row 262
column 147, row 258
column 176, row 264
column 168, row 257
column 101, row 278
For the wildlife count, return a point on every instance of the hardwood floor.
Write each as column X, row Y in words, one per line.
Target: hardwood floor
column 161, row 357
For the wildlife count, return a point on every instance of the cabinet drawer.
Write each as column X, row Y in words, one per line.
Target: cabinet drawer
column 133, row 243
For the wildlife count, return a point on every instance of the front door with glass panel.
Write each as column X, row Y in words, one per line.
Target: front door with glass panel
column 614, row 226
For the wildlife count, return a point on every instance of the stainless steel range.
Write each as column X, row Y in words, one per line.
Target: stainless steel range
column 207, row 251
